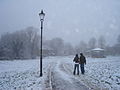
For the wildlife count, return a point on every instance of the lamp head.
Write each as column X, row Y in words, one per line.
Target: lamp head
column 42, row 15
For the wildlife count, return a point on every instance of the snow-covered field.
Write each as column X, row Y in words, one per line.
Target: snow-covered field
column 101, row 74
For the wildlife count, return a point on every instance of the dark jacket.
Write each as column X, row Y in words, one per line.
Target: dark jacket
column 76, row 60
column 82, row 59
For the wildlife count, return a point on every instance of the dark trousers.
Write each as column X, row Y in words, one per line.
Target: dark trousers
column 82, row 68
column 76, row 66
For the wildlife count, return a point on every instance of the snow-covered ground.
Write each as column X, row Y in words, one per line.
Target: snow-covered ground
column 101, row 74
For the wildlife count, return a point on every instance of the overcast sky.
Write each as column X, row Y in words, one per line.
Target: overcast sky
column 72, row 20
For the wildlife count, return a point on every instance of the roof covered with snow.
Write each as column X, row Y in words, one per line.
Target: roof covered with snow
column 97, row 49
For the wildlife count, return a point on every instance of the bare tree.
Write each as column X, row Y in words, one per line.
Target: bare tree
column 5, row 46
column 20, row 44
column 81, row 47
column 17, row 45
column 31, row 41
column 115, row 49
column 101, row 42
column 57, row 44
column 68, row 49
column 92, row 43
column 117, row 46
column 118, row 39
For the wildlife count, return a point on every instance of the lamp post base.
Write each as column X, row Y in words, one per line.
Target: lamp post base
column 41, row 74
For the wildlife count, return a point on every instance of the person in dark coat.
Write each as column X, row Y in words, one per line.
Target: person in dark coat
column 82, row 62
column 76, row 66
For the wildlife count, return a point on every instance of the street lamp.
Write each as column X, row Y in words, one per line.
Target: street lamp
column 42, row 14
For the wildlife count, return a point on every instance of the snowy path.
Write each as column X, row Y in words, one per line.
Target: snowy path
column 101, row 74
column 58, row 78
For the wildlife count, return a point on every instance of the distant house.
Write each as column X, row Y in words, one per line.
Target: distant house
column 97, row 53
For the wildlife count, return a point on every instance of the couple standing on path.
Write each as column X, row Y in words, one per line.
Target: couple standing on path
column 81, row 61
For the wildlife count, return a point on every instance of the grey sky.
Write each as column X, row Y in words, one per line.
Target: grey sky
column 73, row 20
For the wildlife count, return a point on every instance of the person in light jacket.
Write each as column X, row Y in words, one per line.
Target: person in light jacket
column 76, row 65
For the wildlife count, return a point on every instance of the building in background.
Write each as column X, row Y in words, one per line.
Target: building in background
column 96, row 53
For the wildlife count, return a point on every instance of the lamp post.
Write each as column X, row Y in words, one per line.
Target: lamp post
column 41, row 14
